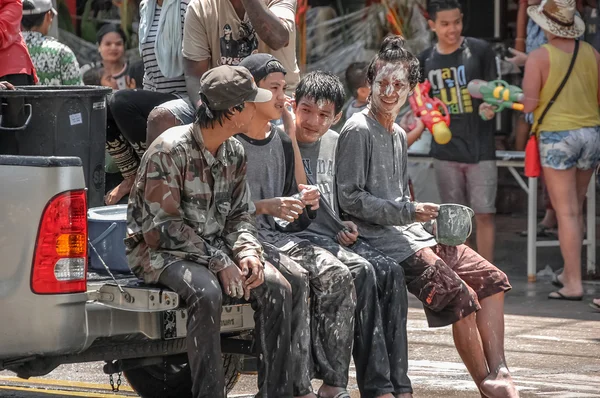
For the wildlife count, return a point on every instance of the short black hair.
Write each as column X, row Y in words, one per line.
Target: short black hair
column 34, row 20
column 356, row 76
column 434, row 6
column 93, row 77
column 393, row 50
column 321, row 86
column 206, row 117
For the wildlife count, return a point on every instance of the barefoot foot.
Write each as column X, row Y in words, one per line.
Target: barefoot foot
column 114, row 196
column 500, row 385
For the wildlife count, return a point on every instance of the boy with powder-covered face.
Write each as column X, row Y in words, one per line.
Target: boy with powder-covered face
column 456, row 285
column 356, row 78
column 380, row 342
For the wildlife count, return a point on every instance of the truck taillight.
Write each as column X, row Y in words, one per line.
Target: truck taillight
column 60, row 261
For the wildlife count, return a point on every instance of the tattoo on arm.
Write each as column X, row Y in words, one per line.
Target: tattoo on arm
column 268, row 26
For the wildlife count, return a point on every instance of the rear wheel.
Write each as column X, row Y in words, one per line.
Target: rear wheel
column 172, row 380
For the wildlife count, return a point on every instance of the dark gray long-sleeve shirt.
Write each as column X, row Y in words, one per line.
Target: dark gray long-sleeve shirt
column 270, row 171
column 372, row 187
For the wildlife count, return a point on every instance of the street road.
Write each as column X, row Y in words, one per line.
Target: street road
column 552, row 347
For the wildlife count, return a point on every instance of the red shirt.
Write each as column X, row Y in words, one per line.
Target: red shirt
column 14, row 56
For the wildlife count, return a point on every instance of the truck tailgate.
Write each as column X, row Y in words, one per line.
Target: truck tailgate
column 126, row 305
column 34, row 323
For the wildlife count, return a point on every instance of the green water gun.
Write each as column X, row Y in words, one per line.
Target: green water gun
column 498, row 93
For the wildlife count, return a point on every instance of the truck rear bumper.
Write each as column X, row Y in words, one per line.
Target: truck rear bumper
column 152, row 311
column 106, row 322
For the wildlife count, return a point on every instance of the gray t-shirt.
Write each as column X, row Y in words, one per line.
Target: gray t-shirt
column 353, row 108
column 270, row 173
column 372, row 187
column 319, row 164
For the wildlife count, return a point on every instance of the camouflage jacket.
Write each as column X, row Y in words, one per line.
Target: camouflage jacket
column 188, row 205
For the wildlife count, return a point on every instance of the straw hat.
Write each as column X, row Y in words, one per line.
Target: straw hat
column 558, row 17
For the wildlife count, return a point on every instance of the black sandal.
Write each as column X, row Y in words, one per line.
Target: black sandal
column 559, row 296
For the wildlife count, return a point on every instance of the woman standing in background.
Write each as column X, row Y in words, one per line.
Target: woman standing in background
column 569, row 134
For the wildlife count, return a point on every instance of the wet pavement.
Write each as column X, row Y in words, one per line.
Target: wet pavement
column 552, row 347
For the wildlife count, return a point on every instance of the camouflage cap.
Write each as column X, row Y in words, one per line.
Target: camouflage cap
column 227, row 86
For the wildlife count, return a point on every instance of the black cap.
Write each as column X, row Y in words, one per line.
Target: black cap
column 261, row 65
column 227, row 86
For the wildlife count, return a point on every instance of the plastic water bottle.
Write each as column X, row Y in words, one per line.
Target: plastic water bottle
column 284, row 223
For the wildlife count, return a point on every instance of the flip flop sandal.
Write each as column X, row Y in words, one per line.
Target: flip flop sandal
column 343, row 394
column 556, row 282
column 559, row 296
column 595, row 306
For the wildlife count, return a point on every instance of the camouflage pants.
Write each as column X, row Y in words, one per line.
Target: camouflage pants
column 272, row 303
column 333, row 301
column 380, row 339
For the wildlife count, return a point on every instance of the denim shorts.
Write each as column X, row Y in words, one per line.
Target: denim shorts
column 182, row 110
column 562, row 150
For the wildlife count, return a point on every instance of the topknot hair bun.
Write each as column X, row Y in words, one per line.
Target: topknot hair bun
column 392, row 43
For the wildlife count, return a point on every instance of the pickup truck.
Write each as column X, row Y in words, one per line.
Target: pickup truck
column 55, row 312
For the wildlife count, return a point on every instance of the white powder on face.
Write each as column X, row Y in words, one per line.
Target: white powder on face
column 326, row 121
column 322, row 104
column 391, row 73
column 389, row 90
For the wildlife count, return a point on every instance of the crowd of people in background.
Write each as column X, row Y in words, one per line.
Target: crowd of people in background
column 237, row 183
